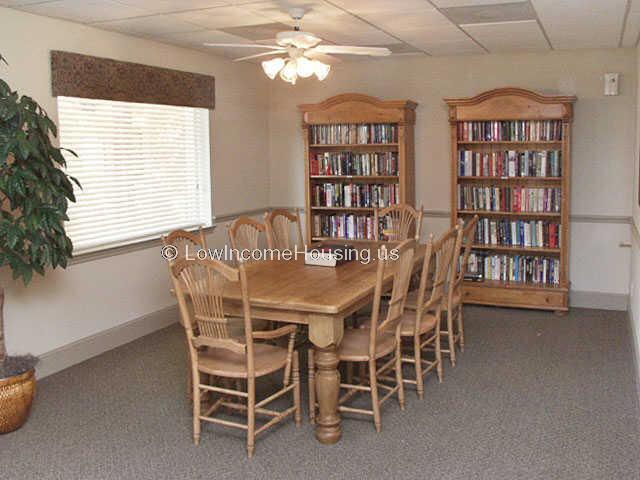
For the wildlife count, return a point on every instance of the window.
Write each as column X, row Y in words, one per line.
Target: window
column 144, row 170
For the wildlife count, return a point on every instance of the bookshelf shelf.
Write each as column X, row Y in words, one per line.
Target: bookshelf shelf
column 488, row 213
column 348, row 209
column 515, row 125
column 353, row 145
column 375, row 135
column 508, row 248
column 511, row 179
column 511, row 143
column 369, row 178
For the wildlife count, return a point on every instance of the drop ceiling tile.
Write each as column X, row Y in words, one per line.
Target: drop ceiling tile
column 258, row 33
column 326, row 21
column 581, row 23
column 506, row 12
column 467, row 3
column 369, row 7
column 462, row 47
column 168, row 6
column 18, row 3
column 149, row 26
column 84, row 11
column 502, row 37
column 223, row 17
column 632, row 28
column 199, row 38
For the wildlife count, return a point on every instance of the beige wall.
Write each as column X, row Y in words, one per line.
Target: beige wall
column 92, row 297
column 602, row 149
column 634, row 301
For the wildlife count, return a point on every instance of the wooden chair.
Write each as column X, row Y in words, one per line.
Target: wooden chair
column 402, row 222
column 181, row 240
column 216, row 353
column 454, row 300
column 422, row 325
column 244, row 233
column 279, row 225
column 375, row 341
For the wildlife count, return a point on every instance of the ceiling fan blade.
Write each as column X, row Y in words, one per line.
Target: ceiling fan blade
column 347, row 50
column 243, row 45
column 323, row 57
column 263, row 54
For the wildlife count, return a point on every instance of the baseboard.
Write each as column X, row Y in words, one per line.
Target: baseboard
column 599, row 300
column 88, row 347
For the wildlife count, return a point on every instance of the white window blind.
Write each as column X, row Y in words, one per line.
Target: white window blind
column 144, row 170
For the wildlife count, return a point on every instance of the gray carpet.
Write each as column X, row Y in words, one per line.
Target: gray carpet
column 535, row 396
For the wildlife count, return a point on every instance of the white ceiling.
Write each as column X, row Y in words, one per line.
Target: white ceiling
column 409, row 27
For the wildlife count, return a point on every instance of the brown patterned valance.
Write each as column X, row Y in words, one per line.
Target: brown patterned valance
column 76, row 75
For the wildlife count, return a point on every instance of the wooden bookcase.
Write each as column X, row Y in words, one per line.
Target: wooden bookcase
column 509, row 105
column 357, row 110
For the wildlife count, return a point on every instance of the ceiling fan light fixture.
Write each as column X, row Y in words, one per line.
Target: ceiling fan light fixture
column 272, row 67
column 305, row 67
column 321, row 69
column 290, row 72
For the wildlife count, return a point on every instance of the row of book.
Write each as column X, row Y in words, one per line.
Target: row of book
column 354, row 133
column 351, row 163
column 518, row 233
column 509, row 199
column 510, row 131
column 516, row 268
column 348, row 226
column 510, row 163
column 355, row 195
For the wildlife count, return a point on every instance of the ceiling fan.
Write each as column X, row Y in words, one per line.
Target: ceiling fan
column 299, row 49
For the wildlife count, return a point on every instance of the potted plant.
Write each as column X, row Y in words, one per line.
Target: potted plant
column 34, row 195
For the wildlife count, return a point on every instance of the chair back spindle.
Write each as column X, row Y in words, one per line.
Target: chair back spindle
column 402, row 261
column 400, row 222
column 279, row 227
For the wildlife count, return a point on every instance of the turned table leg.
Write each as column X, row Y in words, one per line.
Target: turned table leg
column 325, row 332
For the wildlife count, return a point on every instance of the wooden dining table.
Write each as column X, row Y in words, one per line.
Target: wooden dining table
column 321, row 297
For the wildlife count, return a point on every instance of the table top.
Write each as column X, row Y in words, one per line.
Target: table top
column 292, row 285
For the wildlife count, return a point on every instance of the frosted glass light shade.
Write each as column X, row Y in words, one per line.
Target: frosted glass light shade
column 290, row 72
column 305, row 67
column 272, row 67
column 321, row 69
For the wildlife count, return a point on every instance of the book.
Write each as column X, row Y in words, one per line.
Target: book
column 510, row 131
column 515, row 268
column 361, row 195
column 327, row 255
column 355, row 134
column 353, row 163
column 510, row 163
column 509, row 199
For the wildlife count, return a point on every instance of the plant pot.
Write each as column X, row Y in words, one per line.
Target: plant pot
column 16, row 397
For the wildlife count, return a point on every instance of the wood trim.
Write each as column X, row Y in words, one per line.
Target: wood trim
column 85, row 76
column 511, row 103
column 359, row 108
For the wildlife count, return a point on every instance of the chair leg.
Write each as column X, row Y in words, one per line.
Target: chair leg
column 417, row 356
column 450, row 337
column 373, row 379
column 439, row 356
column 461, row 328
column 195, row 382
column 312, row 386
column 296, row 388
column 349, row 368
column 251, row 416
column 399, row 375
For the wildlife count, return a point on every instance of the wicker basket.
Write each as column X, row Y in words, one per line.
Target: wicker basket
column 16, row 396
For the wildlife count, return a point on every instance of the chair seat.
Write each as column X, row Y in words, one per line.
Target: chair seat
column 408, row 322
column 355, row 345
column 225, row 363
